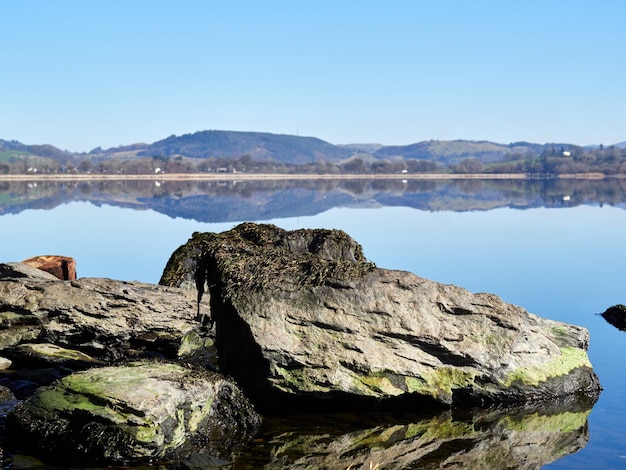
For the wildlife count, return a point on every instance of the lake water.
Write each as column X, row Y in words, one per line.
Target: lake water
column 551, row 248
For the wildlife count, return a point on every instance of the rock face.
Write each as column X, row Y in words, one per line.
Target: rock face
column 77, row 338
column 106, row 319
column 303, row 315
column 138, row 412
column 63, row 267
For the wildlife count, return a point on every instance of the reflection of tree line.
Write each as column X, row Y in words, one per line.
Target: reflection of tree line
column 555, row 192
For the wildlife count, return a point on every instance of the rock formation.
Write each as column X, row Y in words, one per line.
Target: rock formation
column 303, row 316
column 138, row 412
column 76, row 337
column 107, row 319
column 114, row 372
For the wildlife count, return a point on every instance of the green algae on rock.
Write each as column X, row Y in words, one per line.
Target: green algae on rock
column 138, row 412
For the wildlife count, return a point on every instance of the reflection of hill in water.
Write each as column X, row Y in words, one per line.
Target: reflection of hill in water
column 227, row 201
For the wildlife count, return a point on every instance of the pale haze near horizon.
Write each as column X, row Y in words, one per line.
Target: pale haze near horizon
column 80, row 74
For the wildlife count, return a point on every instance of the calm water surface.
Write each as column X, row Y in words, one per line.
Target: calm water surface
column 565, row 263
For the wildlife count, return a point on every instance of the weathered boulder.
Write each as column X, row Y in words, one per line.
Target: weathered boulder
column 303, row 315
column 142, row 411
column 106, row 319
column 50, row 328
column 24, row 271
column 62, row 267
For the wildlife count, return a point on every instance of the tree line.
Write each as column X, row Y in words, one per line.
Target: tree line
column 552, row 161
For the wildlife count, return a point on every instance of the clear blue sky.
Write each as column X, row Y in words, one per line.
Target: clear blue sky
column 81, row 74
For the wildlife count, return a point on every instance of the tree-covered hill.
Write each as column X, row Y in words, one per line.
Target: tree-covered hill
column 260, row 146
column 449, row 152
column 259, row 152
column 10, row 148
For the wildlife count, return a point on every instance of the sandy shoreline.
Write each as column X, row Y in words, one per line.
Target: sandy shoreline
column 253, row 177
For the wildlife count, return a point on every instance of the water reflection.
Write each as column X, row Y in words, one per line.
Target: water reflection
column 563, row 264
column 509, row 438
column 223, row 201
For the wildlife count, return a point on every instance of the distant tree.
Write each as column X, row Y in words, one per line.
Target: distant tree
column 468, row 165
column 382, row 166
column 423, row 166
column 85, row 166
column 355, row 166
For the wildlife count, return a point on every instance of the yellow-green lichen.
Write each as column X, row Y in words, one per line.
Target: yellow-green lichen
column 569, row 359
column 302, row 379
column 61, row 400
column 380, row 384
column 198, row 415
column 193, row 341
column 441, row 382
column 179, row 433
column 57, row 352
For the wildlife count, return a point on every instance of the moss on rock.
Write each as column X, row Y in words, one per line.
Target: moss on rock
column 264, row 256
column 140, row 411
column 570, row 358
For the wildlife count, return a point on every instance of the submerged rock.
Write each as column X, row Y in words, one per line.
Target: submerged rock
column 303, row 315
column 138, row 412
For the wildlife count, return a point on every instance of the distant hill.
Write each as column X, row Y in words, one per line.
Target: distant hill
column 363, row 148
column 13, row 147
column 447, row 152
column 287, row 149
column 259, row 145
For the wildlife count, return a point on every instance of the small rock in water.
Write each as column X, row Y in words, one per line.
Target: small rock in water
column 616, row 316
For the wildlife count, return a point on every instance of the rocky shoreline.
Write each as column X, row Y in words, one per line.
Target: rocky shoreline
column 260, row 321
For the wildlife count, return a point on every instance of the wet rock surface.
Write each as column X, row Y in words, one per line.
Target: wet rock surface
column 303, row 317
column 138, row 412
